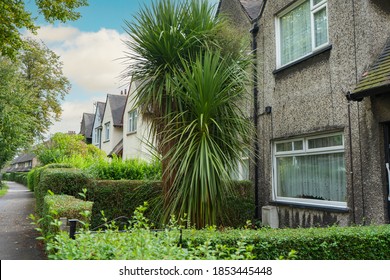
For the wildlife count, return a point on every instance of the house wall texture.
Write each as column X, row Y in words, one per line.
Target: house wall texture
column 135, row 144
column 309, row 98
column 115, row 132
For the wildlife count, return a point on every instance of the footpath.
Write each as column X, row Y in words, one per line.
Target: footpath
column 17, row 234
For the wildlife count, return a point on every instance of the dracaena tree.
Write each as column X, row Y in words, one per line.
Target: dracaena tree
column 191, row 77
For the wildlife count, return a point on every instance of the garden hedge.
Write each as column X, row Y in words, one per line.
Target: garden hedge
column 67, row 181
column 121, row 198
column 19, row 177
column 34, row 175
column 62, row 206
column 333, row 243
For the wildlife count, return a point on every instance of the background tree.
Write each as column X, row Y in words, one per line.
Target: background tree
column 62, row 147
column 32, row 87
column 169, row 40
column 14, row 17
column 17, row 113
column 41, row 68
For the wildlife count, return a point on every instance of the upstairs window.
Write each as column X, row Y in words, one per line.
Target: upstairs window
column 107, row 131
column 132, row 121
column 301, row 30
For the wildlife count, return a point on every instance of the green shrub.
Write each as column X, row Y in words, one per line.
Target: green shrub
column 130, row 169
column 58, row 206
column 239, row 208
column 335, row 243
column 34, row 175
column 120, row 198
column 6, row 176
column 19, row 177
column 67, row 181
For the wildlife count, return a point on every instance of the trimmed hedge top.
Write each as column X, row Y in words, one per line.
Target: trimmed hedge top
column 333, row 243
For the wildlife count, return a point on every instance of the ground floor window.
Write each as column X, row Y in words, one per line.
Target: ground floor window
column 310, row 170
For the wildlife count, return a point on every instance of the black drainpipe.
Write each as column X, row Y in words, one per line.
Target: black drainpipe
column 254, row 31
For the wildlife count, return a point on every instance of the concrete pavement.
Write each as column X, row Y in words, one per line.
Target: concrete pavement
column 17, row 235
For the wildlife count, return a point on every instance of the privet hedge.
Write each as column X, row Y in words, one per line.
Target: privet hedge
column 67, row 181
column 62, row 206
column 19, row 177
column 333, row 243
column 121, row 198
column 34, row 175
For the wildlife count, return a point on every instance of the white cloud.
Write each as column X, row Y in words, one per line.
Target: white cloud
column 71, row 116
column 91, row 59
column 91, row 63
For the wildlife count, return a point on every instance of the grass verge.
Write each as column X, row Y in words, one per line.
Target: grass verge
column 3, row 189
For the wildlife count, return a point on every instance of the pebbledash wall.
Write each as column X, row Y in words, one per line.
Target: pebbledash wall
column 305, row 119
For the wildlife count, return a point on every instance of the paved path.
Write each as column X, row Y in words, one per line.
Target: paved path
column 17, row 235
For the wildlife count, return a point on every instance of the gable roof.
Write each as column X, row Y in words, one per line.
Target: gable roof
column 376, row 79
column 252, row 7
column 24, row 158
column 87, row 125
column 117, row 105
column 100, row 106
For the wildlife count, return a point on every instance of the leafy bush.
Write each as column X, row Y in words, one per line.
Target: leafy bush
column 129, row 169
column 335, row 243
column 58, row 206
column 68, row 181
column 120, row 198
column 239, row 208
column 34, row 175
column 62, row 147
column 19, row 177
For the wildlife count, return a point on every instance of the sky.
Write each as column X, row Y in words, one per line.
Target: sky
column 91, row 50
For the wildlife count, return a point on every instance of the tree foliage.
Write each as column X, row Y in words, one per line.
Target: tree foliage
column 191, row 78
column 14, row 17
column 63, row 146
column 17, row 113
column 32, row 87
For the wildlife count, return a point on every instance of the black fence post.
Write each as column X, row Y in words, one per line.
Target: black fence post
column 72, row 228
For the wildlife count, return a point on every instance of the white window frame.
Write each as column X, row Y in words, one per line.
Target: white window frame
column 305, row 151
column 107, row 131
column 313, row 9
column 132, row 117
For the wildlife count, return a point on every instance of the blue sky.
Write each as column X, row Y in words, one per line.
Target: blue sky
column 90, row 49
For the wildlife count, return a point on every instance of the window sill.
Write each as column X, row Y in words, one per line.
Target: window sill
column 131, row 133
column 328, row 208
column 307, row 57
column 106, row 141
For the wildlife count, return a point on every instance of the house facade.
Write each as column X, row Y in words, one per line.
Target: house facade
column 23, row 163
column 112, row 125
column 137, row 141
column 86, row 127
column 97, row 124
column 323, row 126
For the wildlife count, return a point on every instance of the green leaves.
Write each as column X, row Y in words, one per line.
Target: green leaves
column 14, row 17
column 62, row 10
column 191, row 81
column 210, row 135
